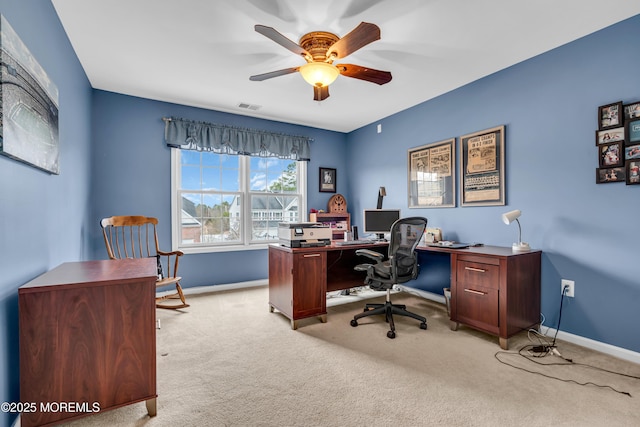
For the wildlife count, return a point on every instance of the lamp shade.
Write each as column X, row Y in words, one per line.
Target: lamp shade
column 319, row 74
column 511, row 216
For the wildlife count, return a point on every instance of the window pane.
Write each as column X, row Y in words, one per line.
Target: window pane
column 273, row 175
column 190, row 157
column 190, row 225
column 190, row 177
column 268, row 211
column 231, row 177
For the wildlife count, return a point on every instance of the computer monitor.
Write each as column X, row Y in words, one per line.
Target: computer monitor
column 379, row 221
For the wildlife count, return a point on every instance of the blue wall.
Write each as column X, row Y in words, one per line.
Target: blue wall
column 549, row 104
column 113, row 161
column 43, row 218
column 132, row 170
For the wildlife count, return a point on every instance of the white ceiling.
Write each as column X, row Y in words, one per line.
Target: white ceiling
column 202, row 52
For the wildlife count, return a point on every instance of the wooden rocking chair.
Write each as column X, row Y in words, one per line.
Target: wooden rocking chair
column 136, row 237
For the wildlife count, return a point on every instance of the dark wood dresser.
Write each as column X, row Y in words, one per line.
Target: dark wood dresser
column 87, row 340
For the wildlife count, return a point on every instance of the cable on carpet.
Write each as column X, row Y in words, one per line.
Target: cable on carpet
column 545, row 348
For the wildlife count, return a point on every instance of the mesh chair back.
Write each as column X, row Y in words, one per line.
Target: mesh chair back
column 405, row 235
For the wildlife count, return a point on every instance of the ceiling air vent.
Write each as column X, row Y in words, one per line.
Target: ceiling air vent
column 249, row 106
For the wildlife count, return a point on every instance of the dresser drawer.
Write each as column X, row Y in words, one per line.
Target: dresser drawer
column 478, row 274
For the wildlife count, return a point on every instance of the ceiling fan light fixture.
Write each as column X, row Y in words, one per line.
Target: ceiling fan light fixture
column 319, row 74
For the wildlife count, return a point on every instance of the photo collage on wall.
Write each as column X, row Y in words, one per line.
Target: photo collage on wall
column 618, row 142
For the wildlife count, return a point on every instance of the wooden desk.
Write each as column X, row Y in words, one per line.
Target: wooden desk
column 87, row 338
column 300, row 278
column 493, row 289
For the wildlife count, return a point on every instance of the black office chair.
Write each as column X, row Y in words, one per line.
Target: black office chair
column 400, row 266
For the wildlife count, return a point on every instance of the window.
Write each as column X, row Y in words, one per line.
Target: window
column 224, row 202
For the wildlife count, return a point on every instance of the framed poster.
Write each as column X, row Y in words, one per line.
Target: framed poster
column 28, row 105
column 431, row 175
column 482, row 178
column 327, row 180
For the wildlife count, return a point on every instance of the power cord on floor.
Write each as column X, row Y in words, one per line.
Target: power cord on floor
column 544, row 348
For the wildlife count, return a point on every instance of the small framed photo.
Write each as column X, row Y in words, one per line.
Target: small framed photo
column 633, row 172
column 610, row 116
column 633, row 132
column 327, row 180
column 610, row 155
column 632, row 152
column 609, row 135
column 606, row 175
column 632, row 111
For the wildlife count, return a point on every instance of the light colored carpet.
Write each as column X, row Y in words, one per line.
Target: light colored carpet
column 228, row 361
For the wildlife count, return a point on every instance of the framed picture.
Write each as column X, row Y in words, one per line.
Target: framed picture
column 632, row 111
column 605, row 175
column 633, row 132
column 632, row 152
column 482, row 178
column 609, row 135
column 28, row 106
column 431, row 176
column 610, row 155
column 633, row 172
column 327, row 180
column 610, row 116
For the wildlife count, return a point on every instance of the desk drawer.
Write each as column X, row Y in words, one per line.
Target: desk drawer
column 478, row 274
column 478, row 307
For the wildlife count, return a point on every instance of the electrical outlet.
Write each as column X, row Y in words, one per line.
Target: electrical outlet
column 570, row 292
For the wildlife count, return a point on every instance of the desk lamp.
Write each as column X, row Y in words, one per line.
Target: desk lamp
column 381, row 193
column 508, row 218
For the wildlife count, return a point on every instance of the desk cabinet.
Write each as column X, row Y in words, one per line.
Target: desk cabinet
column 87, row 336
column 495, row 290
column 298, row 282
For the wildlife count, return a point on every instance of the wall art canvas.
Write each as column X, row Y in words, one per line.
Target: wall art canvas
column 28, row 105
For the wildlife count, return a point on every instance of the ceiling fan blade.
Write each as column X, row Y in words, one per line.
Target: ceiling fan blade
column 360, row 36
column 283, row 41
column 364, row 73
column 320, row 93
column 272, row 74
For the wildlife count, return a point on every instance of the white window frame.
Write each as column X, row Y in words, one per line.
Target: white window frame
column 246, row 244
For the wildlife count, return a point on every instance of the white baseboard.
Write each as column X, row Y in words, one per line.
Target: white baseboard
column 611, row 350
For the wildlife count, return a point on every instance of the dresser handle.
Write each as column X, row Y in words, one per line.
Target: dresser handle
column 479, row 270
column 310, row 255
column 471, row 291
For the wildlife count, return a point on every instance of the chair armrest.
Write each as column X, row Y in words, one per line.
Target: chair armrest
column 376, row 256
column 172, row 271
column 163, row 253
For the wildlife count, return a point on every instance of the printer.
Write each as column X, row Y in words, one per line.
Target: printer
column 304, row 234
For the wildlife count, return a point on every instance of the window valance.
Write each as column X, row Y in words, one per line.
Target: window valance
column 223, row 139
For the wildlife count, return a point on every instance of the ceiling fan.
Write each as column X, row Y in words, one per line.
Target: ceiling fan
column 320, row 49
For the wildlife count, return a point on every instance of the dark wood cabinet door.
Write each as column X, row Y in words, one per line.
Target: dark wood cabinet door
column 309, row 282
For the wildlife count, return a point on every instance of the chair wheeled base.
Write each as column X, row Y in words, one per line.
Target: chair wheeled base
column 388, row 309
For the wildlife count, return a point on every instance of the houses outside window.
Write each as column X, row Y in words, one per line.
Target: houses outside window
column 227, row 202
